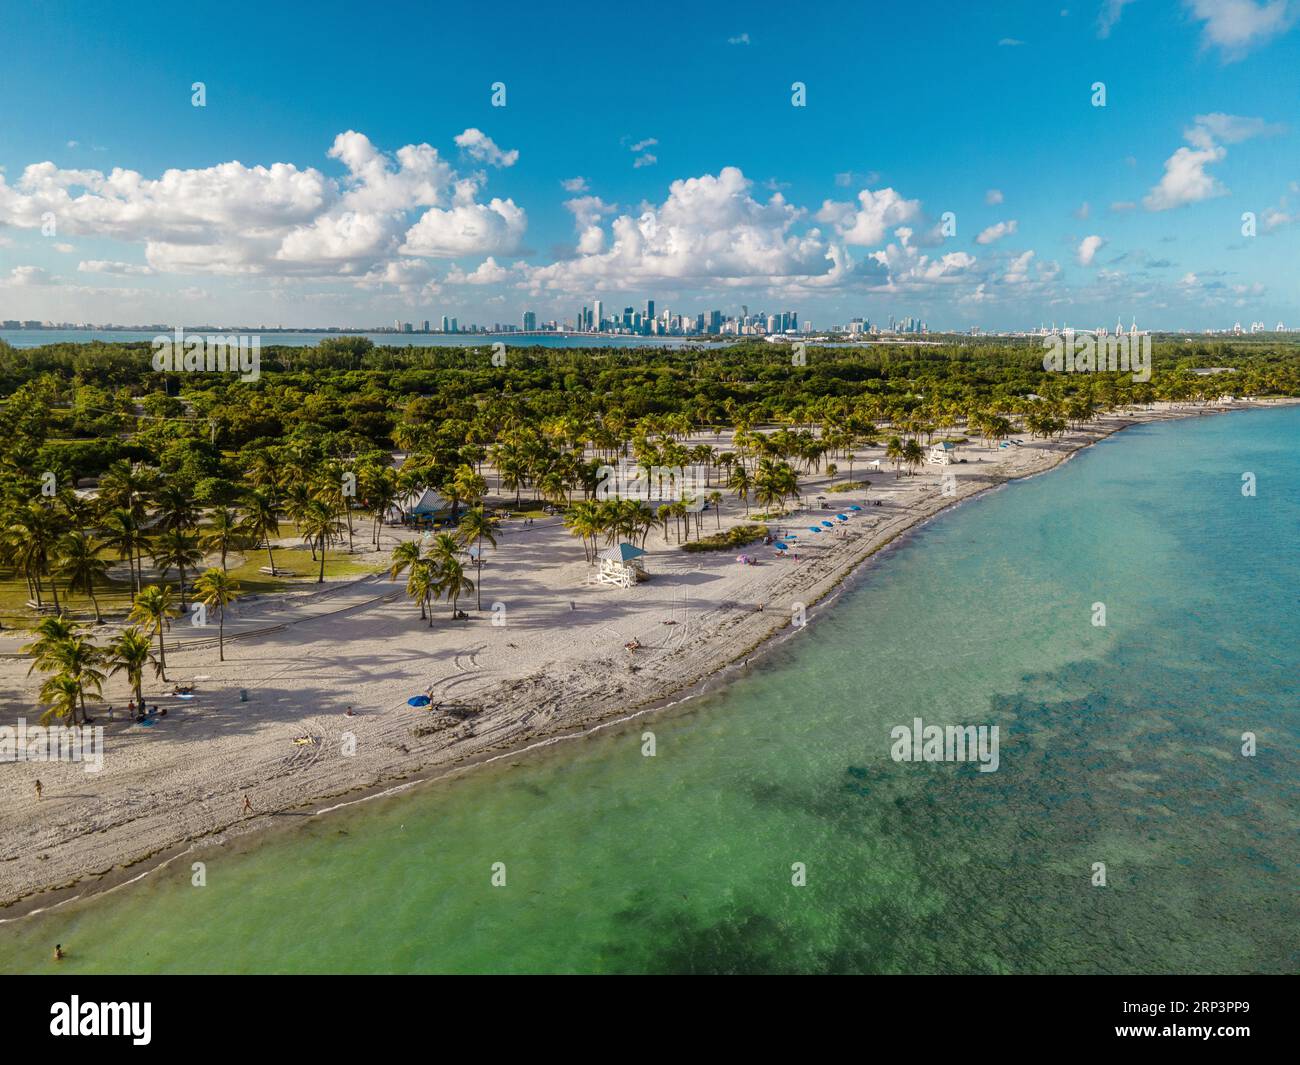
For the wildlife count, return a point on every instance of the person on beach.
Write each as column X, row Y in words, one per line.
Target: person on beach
column 348, row 712
column 58, row 951
column 39, row 789
column 248, row 806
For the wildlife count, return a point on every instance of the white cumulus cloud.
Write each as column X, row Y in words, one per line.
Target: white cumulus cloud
column 1088, row 248
column 996, row 232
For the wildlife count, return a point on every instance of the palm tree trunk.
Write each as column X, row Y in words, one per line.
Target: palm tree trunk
column 221, row 634
column 162, row 653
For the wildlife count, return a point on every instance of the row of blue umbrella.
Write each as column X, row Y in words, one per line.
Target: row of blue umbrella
column 782, row 546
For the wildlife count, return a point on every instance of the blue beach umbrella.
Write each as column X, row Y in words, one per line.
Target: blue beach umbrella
column 842, row 517
column 418, row 700
column 829, row 524
column 855, row 507
column 814, row 528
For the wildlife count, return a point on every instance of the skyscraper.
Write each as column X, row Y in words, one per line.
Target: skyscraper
column 649, row 308
column 530, row 321
column 597, row 315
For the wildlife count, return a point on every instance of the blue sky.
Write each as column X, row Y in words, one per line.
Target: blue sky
column 349, row 167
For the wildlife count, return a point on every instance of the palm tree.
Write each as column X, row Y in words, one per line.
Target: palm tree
column 773, row 482
column 153, row 608
column 262, row 519
column 406, row 555
column 452, row 582
column 31, row 536
column 223, row 533
column 466, row 486
column 176, row 507
column 380, row 493
column 50, row 633
column 129, row 654
column 121, row 534
column 913, row 456
column 319, row 526
column 444, row 547
column 894, row 452
column 78, row 660
column 180, row 549
column 215, row 588
column 64, row 696
column 583, row 520
column 740, row 482
column 476, row 526
column 423, row 584
column 80, row 563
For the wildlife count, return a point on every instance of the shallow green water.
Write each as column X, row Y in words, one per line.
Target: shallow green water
column 1119, row 745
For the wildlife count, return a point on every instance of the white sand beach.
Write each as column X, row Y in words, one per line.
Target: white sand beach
column 559, row 664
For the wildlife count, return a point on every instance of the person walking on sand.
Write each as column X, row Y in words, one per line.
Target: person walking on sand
column 58, row 951
column 39, row 789
column 248, row 806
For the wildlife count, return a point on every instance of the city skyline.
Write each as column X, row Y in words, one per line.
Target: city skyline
column 1002, row 191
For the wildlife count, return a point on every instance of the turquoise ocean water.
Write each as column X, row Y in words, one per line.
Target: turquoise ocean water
column 1119, row 744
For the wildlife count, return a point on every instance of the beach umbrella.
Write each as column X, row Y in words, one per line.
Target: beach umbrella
column 829, row 524
column 418, row 700
column 814, row 528
column 842, row 517
column 855, row 507
column 780, row 546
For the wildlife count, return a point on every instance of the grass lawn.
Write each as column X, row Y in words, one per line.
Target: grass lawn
column 115, row 596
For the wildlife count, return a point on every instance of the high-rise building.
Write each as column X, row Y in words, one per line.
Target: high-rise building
column 649, row 308
column 715, row 322
column 453, row 328
column 530, row 321
column 446, row 324
column 426, row 325
column 597, row 314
